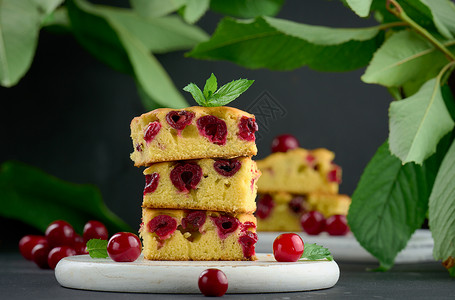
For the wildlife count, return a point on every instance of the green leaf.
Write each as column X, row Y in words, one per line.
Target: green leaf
column 417, row 123
column 196, row 93
column 404, row 57
column 156, row 8
column 390, row 202
column 247, row 8
column 20, row 22
column 443, row 12
column 37, row 198
column 315, row 252
column 97, row 248
column 129, row 46
column 285, row 45
column 360, row 7
column 194, row 10
column 210, row 87
column 229, row 92
column 442, row 208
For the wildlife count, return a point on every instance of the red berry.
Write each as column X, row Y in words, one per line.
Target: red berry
column 186, row 176
column 337, row 225
column 56, row 254
column 79, row 245
column 27, row 243
column 225, row 225
column 334, row 174
column 151, row 131
column 194, row 220
column 227, row 167
column 151, row 182
column 265, row 206
column 248, row 242
column 213, row 128
column 179, row 119
column 213, row 283
column 60, row 233
column 163, row 226
column 39, row 255
column 288, row 247
column 95, row 230
column 313, row 222
column 124, row 247
column 247, row 128
column 284, row 142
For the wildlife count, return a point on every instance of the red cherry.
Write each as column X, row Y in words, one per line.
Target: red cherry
column 213, row 283
column 124, row 247
column 56, row 254
column 151, row 131
column 337, row 225
column 39, row 255
column 313, row 222
column 265, row 206
column 284, row 142
column 79, row 245
column 27, row 243
column 95, row 230
column 334, row 174
column 60, row 233
column 288, row 247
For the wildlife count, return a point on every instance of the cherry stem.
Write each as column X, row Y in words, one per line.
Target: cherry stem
column 395, row 8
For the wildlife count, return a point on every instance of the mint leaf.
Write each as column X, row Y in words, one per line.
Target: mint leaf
column 405, row 57
column 417, row 123
column 360, row 7
column 391, row 202
column 225, row 94
column 442, row 209
column 229, row 92
column 97, row 248
column 316, row 252
column 210, row 87
column 196, row 93
column 279, row 44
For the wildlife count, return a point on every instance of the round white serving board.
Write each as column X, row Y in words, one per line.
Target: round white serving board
column 347, row 249
column 143, row 276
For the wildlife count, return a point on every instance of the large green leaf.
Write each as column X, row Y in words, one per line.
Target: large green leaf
column 194, row 10
column 124, row 42
column 156, row 8
column 20, row 22
column 247, row 8
column 443, row 12
column 391, row 201
column 442, row 204
column 285, row 45
column 404, row 56
column 417, row 123
column 360, row 7
column 37, row 198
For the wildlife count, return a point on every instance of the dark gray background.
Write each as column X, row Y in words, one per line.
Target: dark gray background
column 70, row 114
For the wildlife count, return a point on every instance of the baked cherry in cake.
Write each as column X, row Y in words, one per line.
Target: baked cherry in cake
column 213, row 128
column 225, row 225
column 247, row 128
column 194, row 220
column 163, row 226
column 151, row 131
column 151, row 182
column 227, row 167
column 264, row 206
column 186, row 176
column 179, row 119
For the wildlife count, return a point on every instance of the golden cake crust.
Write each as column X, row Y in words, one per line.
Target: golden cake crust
column 214, row 191
column 170, row 144
column 299, row 171
column 202, row 244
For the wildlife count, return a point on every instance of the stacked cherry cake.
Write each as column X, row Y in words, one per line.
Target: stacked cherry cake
column 200, row 183
column 298, row 190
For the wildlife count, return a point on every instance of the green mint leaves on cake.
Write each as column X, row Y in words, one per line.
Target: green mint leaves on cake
column 211, row 96
column 316, row 252
column 97, row 248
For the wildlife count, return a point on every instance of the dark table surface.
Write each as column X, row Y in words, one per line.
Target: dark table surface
column 21, row 279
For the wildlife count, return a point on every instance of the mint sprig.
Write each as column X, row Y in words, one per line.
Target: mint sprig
column 211, row 96
column 315, row 252
column 97, row 248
